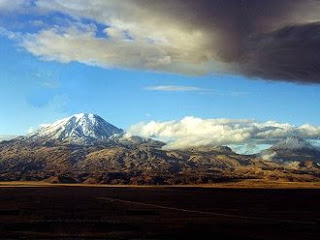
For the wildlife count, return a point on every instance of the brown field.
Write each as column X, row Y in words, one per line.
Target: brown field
column 243, row 210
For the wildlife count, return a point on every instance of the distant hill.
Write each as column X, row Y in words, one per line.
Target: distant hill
column 86, row 148
column 293, row 148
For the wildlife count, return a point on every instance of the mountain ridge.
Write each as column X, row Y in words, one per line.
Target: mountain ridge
column 84, row 146
column 292, row 148
column 79, row 128
column 293, row 143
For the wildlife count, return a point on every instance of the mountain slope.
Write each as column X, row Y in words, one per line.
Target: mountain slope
column 78, row 129
column 293, row 148
column 85, row 146
column 293, row 143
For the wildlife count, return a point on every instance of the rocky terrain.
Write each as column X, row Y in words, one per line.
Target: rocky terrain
column 85, row 148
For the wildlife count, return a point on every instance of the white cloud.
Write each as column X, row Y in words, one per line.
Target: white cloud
column 51, row 84
column 10, row 5
column 130, row 35
column 9, row 34
column 194, row 132
column 7, row 137
column 207, row 91
column 80, row 43
column 171, row 88
column 187, row 37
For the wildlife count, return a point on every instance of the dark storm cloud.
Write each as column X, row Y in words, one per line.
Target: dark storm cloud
column 291, row 53
column 271, row 39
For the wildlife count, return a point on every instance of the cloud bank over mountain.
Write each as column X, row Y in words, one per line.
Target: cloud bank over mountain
column 195, row 132
column 275, row 40
column 6, row 137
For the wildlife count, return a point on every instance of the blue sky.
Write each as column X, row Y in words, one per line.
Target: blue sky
column 34, row 92
column 56, row 62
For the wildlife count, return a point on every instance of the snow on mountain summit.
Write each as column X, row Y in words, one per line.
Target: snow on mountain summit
column 79, row 128
column 293, row 143
column 292, row 148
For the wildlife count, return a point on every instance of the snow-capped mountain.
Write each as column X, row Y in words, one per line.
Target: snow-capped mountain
column 294, row 143
column 292, row 148
column 78, row 129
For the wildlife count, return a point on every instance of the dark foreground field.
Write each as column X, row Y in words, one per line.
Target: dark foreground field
column 66, row 212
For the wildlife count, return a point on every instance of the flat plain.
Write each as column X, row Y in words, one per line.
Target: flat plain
column 248, row 210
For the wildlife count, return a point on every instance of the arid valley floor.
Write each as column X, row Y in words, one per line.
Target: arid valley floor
column 243, row 210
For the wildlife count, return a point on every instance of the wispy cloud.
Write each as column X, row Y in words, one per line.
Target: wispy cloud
column 204, row 91
column 49, row 84
column 13, row 5
column 173, row 88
